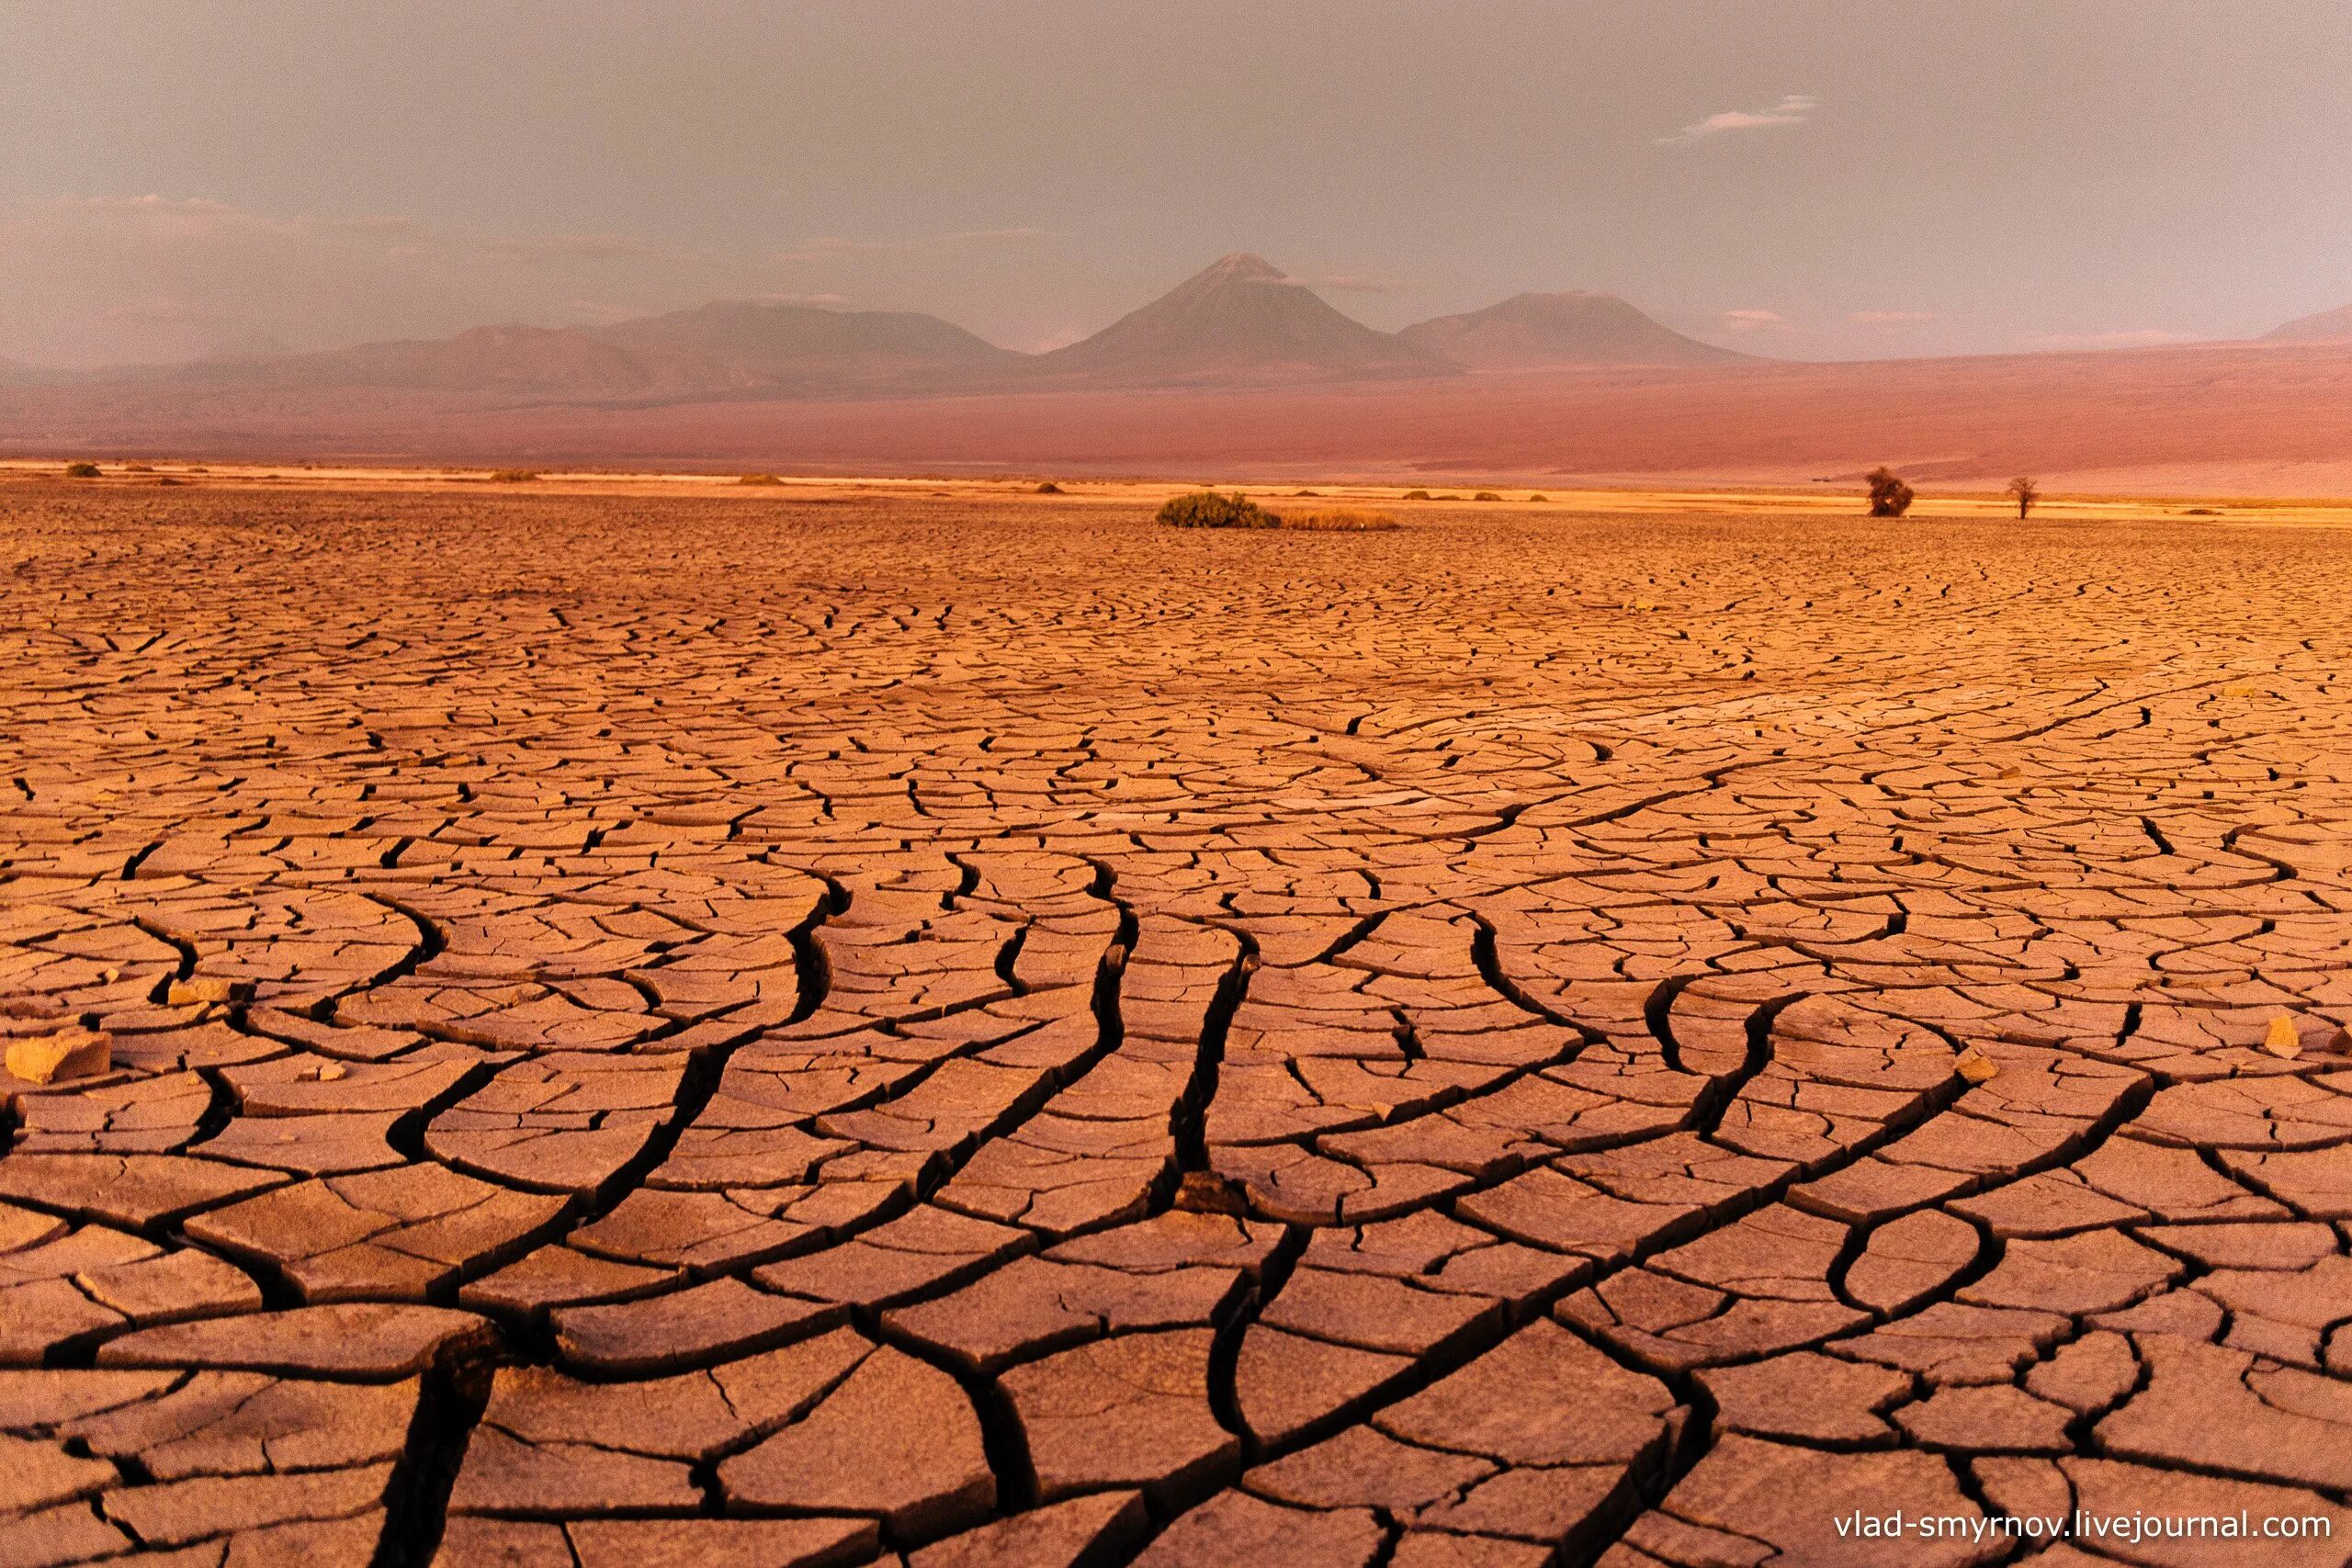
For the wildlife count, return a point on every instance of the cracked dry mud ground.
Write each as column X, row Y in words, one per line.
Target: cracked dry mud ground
column 739, row 1032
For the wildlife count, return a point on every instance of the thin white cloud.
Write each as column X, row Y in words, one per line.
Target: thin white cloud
column 1892, row 317
column 2129, row 337
column 1755, row 322
column 1793, row 109
column 150, row 203
column 185, row 216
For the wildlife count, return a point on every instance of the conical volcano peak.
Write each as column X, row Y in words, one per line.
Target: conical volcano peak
column 1240, row 265
column 1241, row 319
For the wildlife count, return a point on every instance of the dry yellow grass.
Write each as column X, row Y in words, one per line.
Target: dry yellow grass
column 1759, row 502
column 1338, row 520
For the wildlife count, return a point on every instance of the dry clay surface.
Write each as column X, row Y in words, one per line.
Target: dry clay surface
column 705, row 1032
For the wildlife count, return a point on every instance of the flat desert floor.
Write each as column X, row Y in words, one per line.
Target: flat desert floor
column 818, row 1028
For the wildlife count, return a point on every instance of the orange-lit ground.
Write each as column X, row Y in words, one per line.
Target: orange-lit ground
column 656, row 1020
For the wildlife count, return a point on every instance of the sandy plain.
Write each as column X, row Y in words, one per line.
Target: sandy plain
column 656, row 1021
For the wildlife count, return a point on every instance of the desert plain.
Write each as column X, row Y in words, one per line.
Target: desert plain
column 664, row 1023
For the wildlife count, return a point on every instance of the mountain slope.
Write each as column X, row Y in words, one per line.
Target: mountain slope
column 1544, row 332
column 724, row 350
column 549, row 362
column 2327, row 326
column 1241, row 321
column 731, row 347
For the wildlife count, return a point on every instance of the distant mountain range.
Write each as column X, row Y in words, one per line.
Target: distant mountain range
column 1242, row 321
column 1238, row 324
column 1243, row 369
column 718, row 350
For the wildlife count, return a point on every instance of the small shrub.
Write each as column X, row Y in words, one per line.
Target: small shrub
column 1417, row 495
column 139, row 467
column 2201, row 512
column 1339, row 521
column 167, row 480
column 196, row 470
column 507, row 476
column 1212, row 509
column 1049, row 488
column 81, row 471
column 1485, row 495
column 759, row 480
column 1537, row 495
column 1307, row 492
column 1890, row 497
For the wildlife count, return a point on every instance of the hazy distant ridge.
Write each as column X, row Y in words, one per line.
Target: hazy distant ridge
column 2327, row 326
column 1241, row 321
column 1239, row 368
column 1543, row 331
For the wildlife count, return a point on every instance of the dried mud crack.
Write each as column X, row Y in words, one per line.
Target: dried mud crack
column 927, row 1033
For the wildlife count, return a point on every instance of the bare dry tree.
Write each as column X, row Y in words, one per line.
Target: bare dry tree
column 2025, row 492
column 1890, row 497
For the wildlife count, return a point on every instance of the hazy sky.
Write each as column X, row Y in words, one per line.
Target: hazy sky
column 1795, row 176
